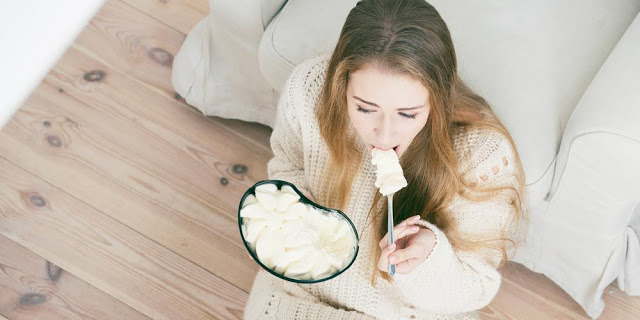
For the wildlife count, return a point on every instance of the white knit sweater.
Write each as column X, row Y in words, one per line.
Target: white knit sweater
column 448, row 285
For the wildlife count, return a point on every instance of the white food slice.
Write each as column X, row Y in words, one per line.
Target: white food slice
column 345, row 260
column 292, row 226
column 267, row 187
column 291, row 256
column 274, row 221
column 296, row 211
column 264, row 246
column 342, row 245
column 243, row 228
column 300, row 268
column 335, row 260
column 303, row 237
column 319, row 220
column 324, row 275
column 250, row 199
column 321, row 266
column 254, row 228
column 392, row 184
column 343, row 230
column 266, row 199
column 327, row 227
column 288, row 189
column 277, row 251
column 286, row 200
column 253, row 211
column 269, row 248
column 389, row 175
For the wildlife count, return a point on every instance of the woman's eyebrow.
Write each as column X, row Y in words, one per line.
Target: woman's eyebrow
column 375, row 105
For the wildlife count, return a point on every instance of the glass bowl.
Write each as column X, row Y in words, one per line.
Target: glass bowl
column 304, row 200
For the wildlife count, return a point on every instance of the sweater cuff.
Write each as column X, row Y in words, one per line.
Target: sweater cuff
column 449, row 281
column 440, row 254
column 420, row 286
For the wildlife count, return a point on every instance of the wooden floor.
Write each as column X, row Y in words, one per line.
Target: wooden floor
column 118, row 201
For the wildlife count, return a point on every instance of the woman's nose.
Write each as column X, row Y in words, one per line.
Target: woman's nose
column 384, row 134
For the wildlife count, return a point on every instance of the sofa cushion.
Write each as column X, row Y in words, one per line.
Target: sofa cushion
column 531, row 60
column 216, row 69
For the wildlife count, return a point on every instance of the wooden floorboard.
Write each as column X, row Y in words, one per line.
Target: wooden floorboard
column 134, row 43
column 163, row 159
column 107, row 254
column 143, row 48
column 179, row 15
column 34, row 288
column 619, row 305
column 519, row 298
column 525, row 294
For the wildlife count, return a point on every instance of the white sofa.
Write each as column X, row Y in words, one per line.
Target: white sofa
column 563, row 76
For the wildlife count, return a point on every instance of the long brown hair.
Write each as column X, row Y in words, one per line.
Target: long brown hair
column 409, row 37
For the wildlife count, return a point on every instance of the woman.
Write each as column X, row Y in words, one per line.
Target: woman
column 392, row 82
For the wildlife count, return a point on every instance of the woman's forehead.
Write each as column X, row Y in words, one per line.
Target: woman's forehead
column 386, row 89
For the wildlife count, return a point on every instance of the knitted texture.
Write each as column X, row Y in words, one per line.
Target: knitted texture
column 450, row 284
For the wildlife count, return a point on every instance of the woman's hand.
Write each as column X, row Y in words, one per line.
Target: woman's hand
column 412, row 247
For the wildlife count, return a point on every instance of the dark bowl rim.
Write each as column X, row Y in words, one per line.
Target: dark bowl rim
column 303, row 198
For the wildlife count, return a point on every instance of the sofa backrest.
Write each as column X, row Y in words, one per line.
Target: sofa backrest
column 532, row 61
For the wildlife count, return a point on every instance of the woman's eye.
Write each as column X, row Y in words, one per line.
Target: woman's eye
column 363, row 110
column 408, row 116
column 404, row 115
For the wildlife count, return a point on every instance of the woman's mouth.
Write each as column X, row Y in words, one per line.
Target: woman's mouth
column 395, row 149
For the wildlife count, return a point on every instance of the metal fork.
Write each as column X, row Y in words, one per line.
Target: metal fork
column 390, row 240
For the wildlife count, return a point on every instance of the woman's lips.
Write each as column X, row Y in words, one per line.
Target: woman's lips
column 394, row 148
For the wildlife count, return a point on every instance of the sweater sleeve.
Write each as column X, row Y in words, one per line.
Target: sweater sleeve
column 453, row 281
column 286, row 142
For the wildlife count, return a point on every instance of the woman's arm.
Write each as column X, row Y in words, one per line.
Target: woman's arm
column 286, row 142
column 451, row 281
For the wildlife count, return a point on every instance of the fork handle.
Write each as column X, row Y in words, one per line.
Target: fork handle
column 390, row 225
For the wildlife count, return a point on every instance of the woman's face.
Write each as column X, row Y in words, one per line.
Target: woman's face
column 387, row 110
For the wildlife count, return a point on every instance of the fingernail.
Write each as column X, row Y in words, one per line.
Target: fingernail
column 393, row 260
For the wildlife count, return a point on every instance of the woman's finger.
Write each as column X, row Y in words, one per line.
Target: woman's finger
column 407, row 231
column 408, row 265
column 403, row 233
column 414, row 250
column 383, row 262
column 397, row 229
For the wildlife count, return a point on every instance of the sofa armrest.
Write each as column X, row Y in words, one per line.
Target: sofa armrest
column 587, row 236
column 269, row 9
column 611, row 103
